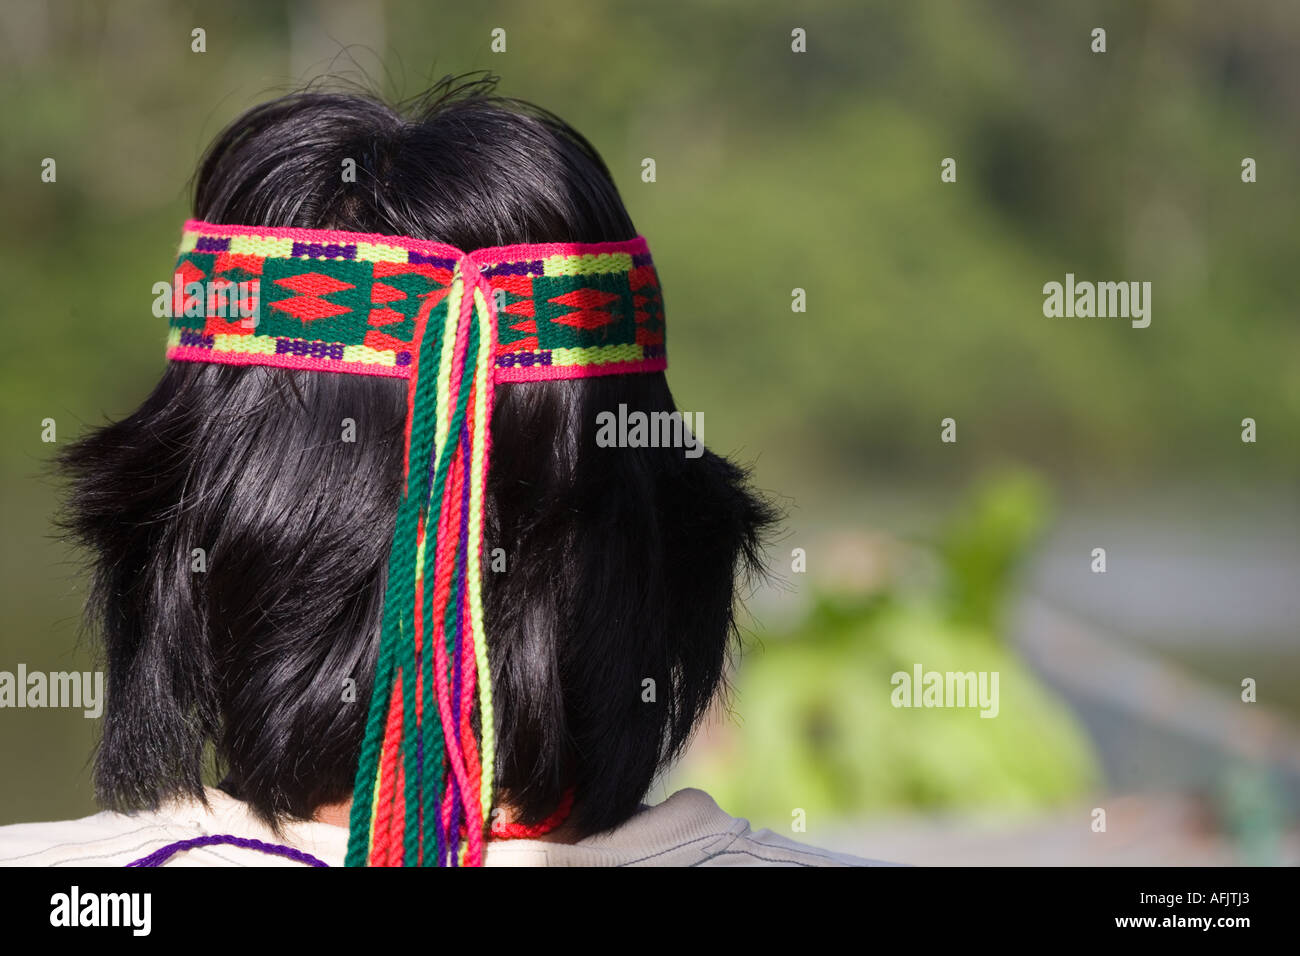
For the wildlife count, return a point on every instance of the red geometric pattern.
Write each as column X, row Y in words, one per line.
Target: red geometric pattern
column 228, row 261
column 648, row 306
column 226, row 309
column 588, row 302
column 185, row 273
column 383, row 341
column 311, row 305
column 524, row 307
column 381, row 293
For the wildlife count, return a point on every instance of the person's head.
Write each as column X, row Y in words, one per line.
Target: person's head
column 240, row 541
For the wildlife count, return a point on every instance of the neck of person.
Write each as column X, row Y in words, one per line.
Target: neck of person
column 339, row 815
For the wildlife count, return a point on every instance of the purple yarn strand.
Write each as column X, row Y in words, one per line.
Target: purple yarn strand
column 419, row 759
column 458, row 631
column 158, row 857
column 459, row 597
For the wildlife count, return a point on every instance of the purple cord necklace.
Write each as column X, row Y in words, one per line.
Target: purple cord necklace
column 158, row 857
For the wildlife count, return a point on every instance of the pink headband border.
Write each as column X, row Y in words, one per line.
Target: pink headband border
column 488, row 255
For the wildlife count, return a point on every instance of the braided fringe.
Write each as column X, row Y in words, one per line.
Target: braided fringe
column 421, row 796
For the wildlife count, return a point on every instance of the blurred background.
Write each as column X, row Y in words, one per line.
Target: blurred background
column 777, row 170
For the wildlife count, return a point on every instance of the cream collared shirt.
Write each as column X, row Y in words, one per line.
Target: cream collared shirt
column 687, row 829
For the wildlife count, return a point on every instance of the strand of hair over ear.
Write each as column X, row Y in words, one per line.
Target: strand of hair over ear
column 424, row 780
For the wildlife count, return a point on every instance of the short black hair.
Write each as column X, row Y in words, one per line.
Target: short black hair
column 622, row 564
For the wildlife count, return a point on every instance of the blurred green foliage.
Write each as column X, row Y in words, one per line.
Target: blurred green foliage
column 985, row 542
column 816, row 728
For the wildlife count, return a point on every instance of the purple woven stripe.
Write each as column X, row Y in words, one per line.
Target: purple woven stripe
column 533, row 268
column 524, row 359
column 642, row 259
column 304, row 348
column 420, row 258
column 158, row 857
column 197, row 339
column 211, row 244
column 323, row 250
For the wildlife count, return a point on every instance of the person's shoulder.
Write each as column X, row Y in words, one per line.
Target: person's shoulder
column 741, row 845
column 102, row 839
column 116, row 839
column 765, row 848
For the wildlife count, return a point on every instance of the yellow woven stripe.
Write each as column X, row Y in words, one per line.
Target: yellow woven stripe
column 265, row 345
column 587, row 265
column 368, row 356
column 598, row 355
column 266, row 246
column 278, row 248
column 478, row 467
column 261, row 344
column 379, row 252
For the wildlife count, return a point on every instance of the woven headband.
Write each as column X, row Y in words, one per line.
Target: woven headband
column 349, row 302
column 453, row 324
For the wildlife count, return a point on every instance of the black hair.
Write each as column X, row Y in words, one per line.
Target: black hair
column 622, row 565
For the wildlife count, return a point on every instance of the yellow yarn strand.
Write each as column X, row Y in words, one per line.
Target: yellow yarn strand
column 443, row 414
column 478, row 462
column 374, row 807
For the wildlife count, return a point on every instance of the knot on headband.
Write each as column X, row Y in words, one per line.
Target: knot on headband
column 453, row 324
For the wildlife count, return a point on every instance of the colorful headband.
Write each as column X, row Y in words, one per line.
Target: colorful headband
column 453, row 324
